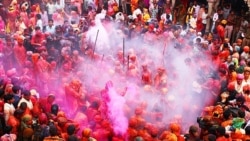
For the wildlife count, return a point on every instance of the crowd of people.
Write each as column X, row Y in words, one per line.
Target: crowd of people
column 170, row 70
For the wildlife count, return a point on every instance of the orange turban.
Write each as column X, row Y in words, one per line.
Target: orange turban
column 175, row 128
column 168, row 136
column 86, row 132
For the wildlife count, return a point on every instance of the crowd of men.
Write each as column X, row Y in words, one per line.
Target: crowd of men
column 52, row 53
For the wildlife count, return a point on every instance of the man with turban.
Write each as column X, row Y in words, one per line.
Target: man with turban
column 75, row 95
column 20, row 52
column 176, row 129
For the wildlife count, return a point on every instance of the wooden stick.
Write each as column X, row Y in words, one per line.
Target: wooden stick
column 102, row 58
column 128, row 62
column 123, row 47
column 164, row 48
column 95, row 43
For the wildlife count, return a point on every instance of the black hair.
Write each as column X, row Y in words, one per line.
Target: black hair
column 212, row 130
column 225, row 45
column 231, row 67
column 1, row 92
column 51, row 20
column 198, row 40
column 247, row 130
column 8, row 97
column 240, row 99
column 37, row 28
column 71, row 129
column 95, row 104
column 221, row 131
column 18, row 112
column 23, row 105
column 38, row 16
column 223, row 71
column 16, row 88
column 211, row 137
column 7, row 129
column 54, row 109
column 53, row 130
column 26, row 93
column 226, row 114
column 73, row 138
column 241, row 114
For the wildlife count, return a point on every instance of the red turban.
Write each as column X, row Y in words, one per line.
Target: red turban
column 246, row 48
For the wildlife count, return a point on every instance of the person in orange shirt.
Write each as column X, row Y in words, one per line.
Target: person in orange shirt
column 86, row 135
column 20, row 52
column 75, row 94
column 176, row 129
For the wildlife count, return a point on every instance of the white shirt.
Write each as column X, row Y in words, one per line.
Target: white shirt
column 39, row 23
column 22, row 26
column 62, row 3
column 58, row 6
column 197, row 8
column 244, row 55
column 243, row 25
column 239, row 88
column 230, row 47
column 226, row 12
column 164, row 16
column 215, row 17
column 193, row 22
column 50, row 30
column 194, row 40
column 29, row 103
column 204, row 18
column 9, row 110
column 45, row 18
column 51, row 8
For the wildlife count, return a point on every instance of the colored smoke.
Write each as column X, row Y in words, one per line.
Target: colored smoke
column 116, row 111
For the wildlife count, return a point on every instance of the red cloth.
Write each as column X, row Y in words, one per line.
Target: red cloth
column 20, row 54
column 221, row 31
column 45, row 105
column 199, row 25
column 222, row 139
column 12, row 121
column 74, row 95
